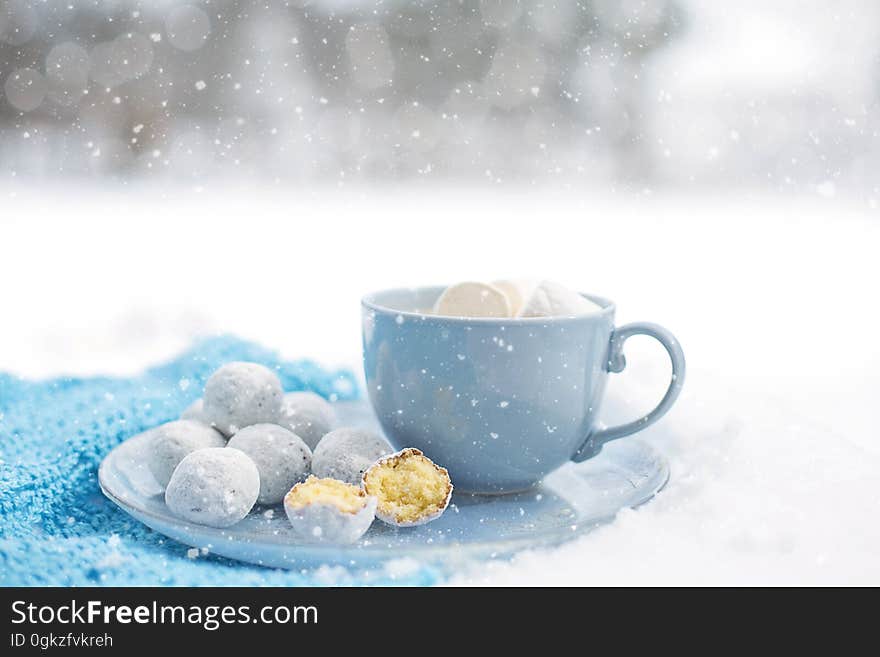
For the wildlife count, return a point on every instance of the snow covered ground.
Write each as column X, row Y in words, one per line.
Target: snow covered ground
column 774, row 445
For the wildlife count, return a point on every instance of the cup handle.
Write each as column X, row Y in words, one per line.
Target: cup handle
column 617, row 363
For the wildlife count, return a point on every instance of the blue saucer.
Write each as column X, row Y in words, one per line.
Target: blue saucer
column 571, row 501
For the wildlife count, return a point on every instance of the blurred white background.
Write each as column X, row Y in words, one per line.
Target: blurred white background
column 779, row 94
column 169, row 170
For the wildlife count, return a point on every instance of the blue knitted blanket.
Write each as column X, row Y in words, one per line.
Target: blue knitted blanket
column 56, row 527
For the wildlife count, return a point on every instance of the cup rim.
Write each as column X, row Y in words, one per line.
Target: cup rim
column 369, row 301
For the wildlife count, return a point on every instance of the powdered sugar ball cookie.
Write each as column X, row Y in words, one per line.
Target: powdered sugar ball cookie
column 308, row 415
column 281, row 457
column 241, row 394
column 171, row 442
column 195, row 411
column 216, row 486
column 472, row 299
column 328, row 511
column 345, row 453
column 550, row 299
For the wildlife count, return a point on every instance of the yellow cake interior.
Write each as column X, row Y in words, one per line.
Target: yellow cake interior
column 345, row 497
column 408, row 486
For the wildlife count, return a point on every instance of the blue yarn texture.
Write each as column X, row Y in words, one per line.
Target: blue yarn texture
column 57, row 528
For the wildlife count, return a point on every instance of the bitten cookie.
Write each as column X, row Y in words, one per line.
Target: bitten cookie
column 410, row 488
column 329, row 511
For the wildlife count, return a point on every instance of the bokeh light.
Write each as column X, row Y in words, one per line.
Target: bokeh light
column 188, row 27
column 25, row 89
column 18, row 22
column 67, row 72
column 103, row 67
column 131, row 55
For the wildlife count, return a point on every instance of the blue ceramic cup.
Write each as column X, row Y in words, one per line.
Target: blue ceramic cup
column 499, row 402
